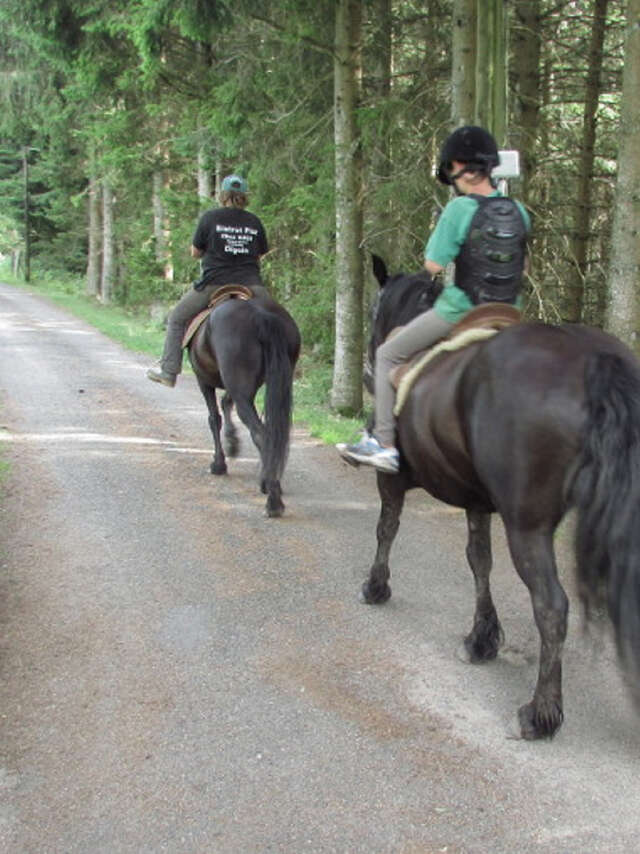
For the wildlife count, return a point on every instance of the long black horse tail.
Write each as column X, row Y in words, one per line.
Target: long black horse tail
column 606, row 491
column 272, row 334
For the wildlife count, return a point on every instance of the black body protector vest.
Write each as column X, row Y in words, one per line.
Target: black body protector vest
column 491, row 262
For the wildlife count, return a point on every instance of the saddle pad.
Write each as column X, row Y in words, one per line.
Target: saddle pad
column 406, row 375
column 481, row 322
column 223, row 293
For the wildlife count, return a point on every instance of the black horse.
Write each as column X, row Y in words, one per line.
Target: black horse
column 527, row 424
column 243, row 344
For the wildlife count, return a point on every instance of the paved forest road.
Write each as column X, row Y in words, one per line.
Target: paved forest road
column 181, row 674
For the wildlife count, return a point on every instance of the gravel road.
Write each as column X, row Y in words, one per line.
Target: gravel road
column 181, row 674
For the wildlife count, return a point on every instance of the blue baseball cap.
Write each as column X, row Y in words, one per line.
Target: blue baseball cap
column 235, row 183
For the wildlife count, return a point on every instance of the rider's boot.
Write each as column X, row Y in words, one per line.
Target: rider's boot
column 158, row 375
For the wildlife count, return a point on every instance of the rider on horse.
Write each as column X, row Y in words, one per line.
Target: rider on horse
column 230, row 241
column 485, row 234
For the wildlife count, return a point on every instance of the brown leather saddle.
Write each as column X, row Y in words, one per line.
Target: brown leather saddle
column 489, row 315
column 223, row 293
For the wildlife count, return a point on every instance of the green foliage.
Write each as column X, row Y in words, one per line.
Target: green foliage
column 12, row 186
column 5, row 468
column 119, row 90
column 10, row 238
column 311, row 409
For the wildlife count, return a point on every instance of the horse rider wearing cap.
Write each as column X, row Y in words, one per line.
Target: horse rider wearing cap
column 230, row 241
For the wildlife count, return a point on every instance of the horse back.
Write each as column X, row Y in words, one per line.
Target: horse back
column 503, row 419
column 237, row 326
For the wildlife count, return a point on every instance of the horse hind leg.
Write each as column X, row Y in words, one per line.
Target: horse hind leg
column 392, row 488
column 250, row 418
column 486, row 636
column 533, row 556
column 269, row 481
column 275, row 505
column 231, row 440
column 218, row 464
column 270, row 486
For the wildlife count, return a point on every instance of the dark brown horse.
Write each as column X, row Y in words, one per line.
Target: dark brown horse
column 243, row 344
column 528, row 424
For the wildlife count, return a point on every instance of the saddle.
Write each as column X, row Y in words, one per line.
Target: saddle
column 482, row 322
column 223, row 293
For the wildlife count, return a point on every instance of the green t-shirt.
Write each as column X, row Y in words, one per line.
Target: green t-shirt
column 444, row 246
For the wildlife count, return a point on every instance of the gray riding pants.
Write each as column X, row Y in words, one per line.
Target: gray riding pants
column 423, row 331
column 182, row 314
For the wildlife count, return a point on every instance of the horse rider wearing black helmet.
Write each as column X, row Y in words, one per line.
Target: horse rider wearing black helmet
column 485, row 234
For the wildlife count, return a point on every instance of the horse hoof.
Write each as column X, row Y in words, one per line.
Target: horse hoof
column 462, row 653
column 274, row 511
column 218, row 468
column 374, row 595
column 542, row 721
column 480, row 650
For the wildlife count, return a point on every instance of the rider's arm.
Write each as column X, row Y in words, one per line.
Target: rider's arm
column 432, row 268
column 449, row 234
column 195, row 252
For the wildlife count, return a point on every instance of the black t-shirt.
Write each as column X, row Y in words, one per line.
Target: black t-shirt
column 232, row 240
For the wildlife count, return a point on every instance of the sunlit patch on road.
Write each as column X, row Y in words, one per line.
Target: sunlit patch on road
column 9, row 320
column 79, row 438
column 63, row 436
column 63, row 326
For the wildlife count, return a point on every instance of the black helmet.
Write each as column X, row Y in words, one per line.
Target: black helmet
column 471, row 145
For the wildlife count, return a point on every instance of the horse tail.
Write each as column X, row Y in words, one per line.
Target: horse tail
column 272, row 335
column 606, row 491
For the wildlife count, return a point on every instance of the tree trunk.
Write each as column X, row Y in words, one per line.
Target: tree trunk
column 491, row 61
column 463, row 62
column 346, row 391
column 93, row 259
column 526, row 79
column 204, row 176
column 623, row 315
column 204, row 165
column 575, row 287
column 27, row 221
column 16, row 260
column 379, row 68
column 161, row 230
column 106, row 282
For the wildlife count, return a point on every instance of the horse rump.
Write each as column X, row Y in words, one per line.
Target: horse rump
column 245, row 344
column 606, row 492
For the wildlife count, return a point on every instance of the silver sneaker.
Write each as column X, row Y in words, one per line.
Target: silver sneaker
column 370, row 452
